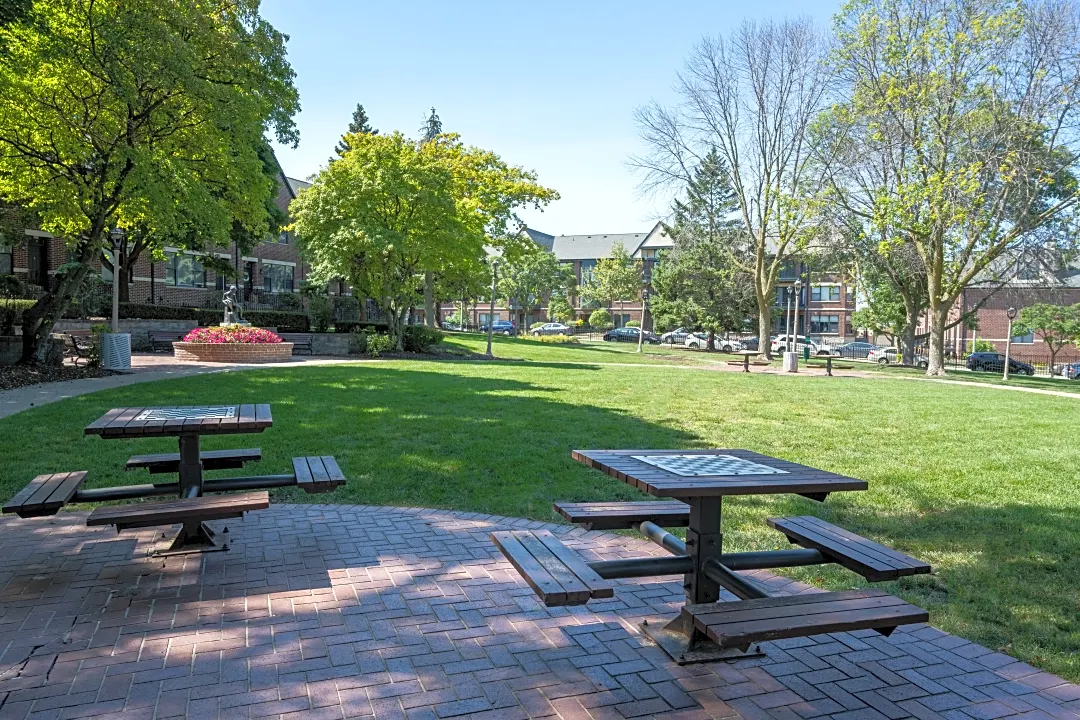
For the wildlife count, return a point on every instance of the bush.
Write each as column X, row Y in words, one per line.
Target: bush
column 418, row 338
column 601, row 320
column 354, row 327
column 983, row 346
column 232, row 334
column 11, row 311
column 280, row 319
column 320, row 312
column 358, row 343
column 633, row 323
column 377, row 344
column 96, row 331
column 556, row 339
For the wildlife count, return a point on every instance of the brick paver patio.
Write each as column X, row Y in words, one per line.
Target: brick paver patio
column 338, row 611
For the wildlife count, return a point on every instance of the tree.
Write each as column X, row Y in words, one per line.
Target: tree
column 431, row 128
column 559, row 308
column 533, row 277
column 967, row 108
column 600, row 319
column 1057, row 325
column 618, row 277
column 391, row 209
column 358, row 124
column 140, row 114
column 751, row 96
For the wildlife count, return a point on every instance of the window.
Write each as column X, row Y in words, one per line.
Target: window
column 825, row 293
column 587, row 267
column 184, row 270
column 6, row 264
column 824, row 324
column 283, row 237
column 1024, row 339
column 787, row 271
column 277, row 278
column 621, row 319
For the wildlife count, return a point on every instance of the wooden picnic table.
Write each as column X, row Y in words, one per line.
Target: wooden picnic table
column 746, row 355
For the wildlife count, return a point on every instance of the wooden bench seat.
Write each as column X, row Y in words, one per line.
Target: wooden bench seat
column 163, row 339
column 317, row 474
column 170, row 512
column 211, row 460
column 625, row 515
column 556, row 573
column 300, row 341
column 45, row 494
column 874, row 562
column 738, row 624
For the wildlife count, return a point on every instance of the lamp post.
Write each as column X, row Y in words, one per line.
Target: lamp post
column 644, row 309
column 117, row 237
column 798, row 290
column 1011, row 313
column 787, row 324
column 491, row 309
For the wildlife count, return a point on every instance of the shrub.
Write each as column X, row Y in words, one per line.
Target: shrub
column 352, row 327
column 419, row 338
column 96, row 331
column 283, row 321
column 11, row 311
column 983, row 346
column 358, row 343
column 556, row 339
column 633, row 323
column 601, row 319
column 232, row 334
column 377, row 344
column 320, row 312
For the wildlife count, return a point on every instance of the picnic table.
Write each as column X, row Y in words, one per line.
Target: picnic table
column 746, row 355
column 46, row 494
column 694, row 484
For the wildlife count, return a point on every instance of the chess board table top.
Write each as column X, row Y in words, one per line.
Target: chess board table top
column 136, row 422
column 710, row 473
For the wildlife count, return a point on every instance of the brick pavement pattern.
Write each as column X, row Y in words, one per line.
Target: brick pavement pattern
column 325, row 611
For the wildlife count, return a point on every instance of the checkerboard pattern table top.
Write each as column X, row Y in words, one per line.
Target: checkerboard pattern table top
column 699, row 473
column 202, row 420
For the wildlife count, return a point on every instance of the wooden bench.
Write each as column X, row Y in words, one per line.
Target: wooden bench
column 739, row 624
column 163, row 339
column 170, row 512
column 556, row 573
column 45, row 494
column 300, row 341
column 317, row 474
column 79, row 345
column 874, row 562
column 211, row 460
column 625, row 515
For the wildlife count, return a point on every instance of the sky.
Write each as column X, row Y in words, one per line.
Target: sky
column 549, row 86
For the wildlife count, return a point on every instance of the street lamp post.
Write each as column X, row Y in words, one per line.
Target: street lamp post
column 644, row 309
column 795, row 325
column 1011, row 313
column 491, row 309
column 787, row 324
column 117, row 237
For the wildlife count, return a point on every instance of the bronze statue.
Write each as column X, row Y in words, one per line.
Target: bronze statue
column 234, row 313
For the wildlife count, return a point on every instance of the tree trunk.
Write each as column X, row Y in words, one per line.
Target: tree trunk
column 38, row 321
column 764, row 328
column 395, row 323
column 938, row 313
column 907, row 337
column 429, row 299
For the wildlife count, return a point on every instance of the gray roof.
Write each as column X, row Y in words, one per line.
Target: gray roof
column 297, row 185
column 540, row 238
column 591, row 247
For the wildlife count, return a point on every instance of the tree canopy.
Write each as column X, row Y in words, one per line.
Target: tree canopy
column 617, row 277
column 532, row 277
column 1056, row 325
column 358, row 124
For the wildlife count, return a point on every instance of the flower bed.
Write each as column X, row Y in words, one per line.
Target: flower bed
column 232, row 344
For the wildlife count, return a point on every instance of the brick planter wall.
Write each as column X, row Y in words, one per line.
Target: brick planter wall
column 232, row 352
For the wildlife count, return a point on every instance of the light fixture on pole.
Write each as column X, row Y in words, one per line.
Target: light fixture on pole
column 787, row 322
column 795, row 324
column 1011, row 314
column 491, row 309
column 115, row 345
column 644, row 309
column 117, row 238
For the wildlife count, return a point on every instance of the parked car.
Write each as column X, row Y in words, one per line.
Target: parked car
column 700, row 341
column 892, row 356
column 675, row 337
column 750, row 343
column 551, row 328
column 854, row 350
column 501, row 327
column 1071, row 371
column 780, row 344
column 626, row 334
column 995, row 362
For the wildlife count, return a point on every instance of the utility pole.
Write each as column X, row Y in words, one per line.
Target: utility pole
column 491, row 309
column 1011, row 313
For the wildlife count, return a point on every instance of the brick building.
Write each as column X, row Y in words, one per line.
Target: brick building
column 272, row 268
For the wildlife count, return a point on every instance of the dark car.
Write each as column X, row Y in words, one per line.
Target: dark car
column 854, row 350
column 750, row 343
column 501, row 327
column 995, row 362
column 627, row 334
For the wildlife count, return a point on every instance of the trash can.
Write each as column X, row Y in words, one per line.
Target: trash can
column 791, row 362
column 116, row 351
column 805, row 352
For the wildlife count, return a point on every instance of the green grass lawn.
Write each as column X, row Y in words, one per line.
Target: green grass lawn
column 984, row 485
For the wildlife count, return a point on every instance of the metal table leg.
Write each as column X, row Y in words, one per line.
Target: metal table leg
column 194, row 535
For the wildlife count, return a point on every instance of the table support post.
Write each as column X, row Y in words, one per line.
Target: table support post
column 190, row 468
column 704, row 541
column 746, row 363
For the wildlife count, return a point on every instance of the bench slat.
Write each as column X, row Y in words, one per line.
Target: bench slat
column 555, row 572
column 64, row 491
column 625, row 515
column 318, row 471
column 211, row 459
column 873, row 561
column 302, row 472
column 576, row 592
column 538, row 578
column 317, row 474
column 148, row 514
column 332, row 468
column 598, row 586
column 45, row 494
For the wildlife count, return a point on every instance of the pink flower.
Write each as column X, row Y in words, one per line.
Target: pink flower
column 231, row 334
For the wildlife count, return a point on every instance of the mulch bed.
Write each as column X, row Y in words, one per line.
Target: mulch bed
column 16, row 376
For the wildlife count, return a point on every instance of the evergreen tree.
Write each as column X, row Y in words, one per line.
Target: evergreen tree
column 432, row 126
column 710, row 201
column 358, row 124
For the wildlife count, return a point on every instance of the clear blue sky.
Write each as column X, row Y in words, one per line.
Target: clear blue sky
column 550, row 86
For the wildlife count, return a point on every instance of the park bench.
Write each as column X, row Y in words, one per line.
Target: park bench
column 163, row 339
column 625, row 515
column 79, row 346
column 300, row 341
column 557, row 574
column 211, row 460
column 185, row 510
column 874, row 562
column 317, row 474
column 45, row 494
column 742, row 623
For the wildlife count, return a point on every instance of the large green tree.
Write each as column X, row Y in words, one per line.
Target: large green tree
column 530, row 279
column 1057, row 325
column 137, row 113
column 615, row 278
column 959, row 116
column 392, row 209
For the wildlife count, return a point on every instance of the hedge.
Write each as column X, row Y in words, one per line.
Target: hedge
column 11, row 313
column 280, row 319
column 343, row 326
column 419, row 338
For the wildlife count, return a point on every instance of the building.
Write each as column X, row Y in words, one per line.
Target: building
column 270, row 270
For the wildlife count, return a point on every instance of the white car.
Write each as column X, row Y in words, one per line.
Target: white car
column 780, row 344
column 678, row 335
column 700, row 341
column 891, row 356
column 551, row 328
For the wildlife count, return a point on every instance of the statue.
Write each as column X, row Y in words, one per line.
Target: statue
column 234, row 314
